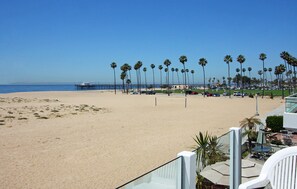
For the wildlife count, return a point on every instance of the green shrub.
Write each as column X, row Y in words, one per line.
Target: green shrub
column 275, row 123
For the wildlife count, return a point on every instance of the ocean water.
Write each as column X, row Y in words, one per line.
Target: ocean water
column 32, row 88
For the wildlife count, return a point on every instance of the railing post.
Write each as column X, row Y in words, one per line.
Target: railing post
column 188, row 169
column 235, row 158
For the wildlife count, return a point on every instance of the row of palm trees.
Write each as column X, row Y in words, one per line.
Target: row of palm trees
column 290, row 66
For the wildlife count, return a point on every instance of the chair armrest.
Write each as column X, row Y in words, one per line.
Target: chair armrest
column 256, row 183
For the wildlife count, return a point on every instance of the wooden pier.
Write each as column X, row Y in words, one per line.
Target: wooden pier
column 89, row 86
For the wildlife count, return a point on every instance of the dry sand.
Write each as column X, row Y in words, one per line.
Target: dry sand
column 100, row 140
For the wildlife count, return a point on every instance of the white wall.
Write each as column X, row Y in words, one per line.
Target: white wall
column 290, row 121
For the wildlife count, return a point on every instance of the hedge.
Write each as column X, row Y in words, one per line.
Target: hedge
column 275, row 123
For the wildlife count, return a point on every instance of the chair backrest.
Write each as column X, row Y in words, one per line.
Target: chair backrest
column 279, row 169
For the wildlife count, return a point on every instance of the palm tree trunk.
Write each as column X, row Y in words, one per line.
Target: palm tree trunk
column 250, row 79
column 139, row 80
column 185, row 75
column 288, row 76
column 114, row 78
column 172, row 79
column 168, row 80
column 188, row 78
column 177, row 78
column 130, row 76
column 294, row 80
column 193, row 79
column 145, row 81
column 161, row 79
column 229, row 80
column 203, row 81
column 270, row 80
column 283, row 95
column 154, row 79
column 263, row 81
column 241, row 80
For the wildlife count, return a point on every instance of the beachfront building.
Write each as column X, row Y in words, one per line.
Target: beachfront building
column 290, row 114
column 182, row 87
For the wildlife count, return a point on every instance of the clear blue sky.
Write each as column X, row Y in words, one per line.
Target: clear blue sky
column 76, row 40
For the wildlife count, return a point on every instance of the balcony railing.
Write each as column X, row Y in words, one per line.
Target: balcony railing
column 166, row 176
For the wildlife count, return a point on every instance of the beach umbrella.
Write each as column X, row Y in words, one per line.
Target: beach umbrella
column 218, row 173
column 261, row 135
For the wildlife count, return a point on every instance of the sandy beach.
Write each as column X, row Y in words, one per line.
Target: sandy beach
column 96, row 139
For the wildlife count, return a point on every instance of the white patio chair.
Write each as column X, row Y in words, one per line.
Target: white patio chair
column 279, row 169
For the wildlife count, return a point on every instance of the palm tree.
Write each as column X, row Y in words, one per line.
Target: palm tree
column 228, row 60
column 270, row 70
column 265, row 73
column 237, row 80
column 224, row 81
column 293, row 63
column 153, row 66
column 183, row 59
column 166, row 71
column 172, row 80
column 113, row 66
column 260, row 73
column 202, row 62
column 249, row 125
column 167, row 63
column 124, row 69
column 214, row 152
column 123, row 77
column 139, row 74
column 281, row 69
column 129, row 69
column 243, row 70
column 192, row 72
column 128, row 82
column 144, row 70
column 250, row 69
column 160, row 68
column 176, row 69
column 241, row 60
column 183, row 71
column 201, row 149
column 276, row 72
column 187, row 72
column 137, row 67
column 208, row 150
column 209, row 82
column 262, row 57
column 286, row 57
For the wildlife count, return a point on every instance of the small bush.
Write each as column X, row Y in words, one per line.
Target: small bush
column 275, row 123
